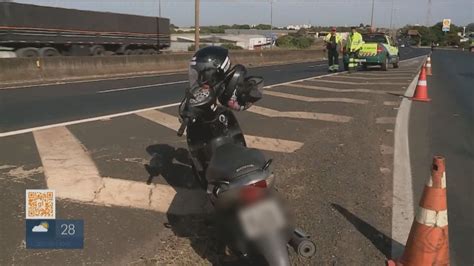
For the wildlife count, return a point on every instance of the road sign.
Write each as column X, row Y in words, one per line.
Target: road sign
column 446, row 24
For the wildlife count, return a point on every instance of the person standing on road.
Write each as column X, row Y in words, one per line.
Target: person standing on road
column 333, row 42
column 353, row 45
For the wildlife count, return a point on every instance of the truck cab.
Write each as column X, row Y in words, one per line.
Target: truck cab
column 379, row 49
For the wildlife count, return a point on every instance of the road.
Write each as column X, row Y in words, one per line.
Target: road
column 445, row 127
column 331, row 138
column 42, row 105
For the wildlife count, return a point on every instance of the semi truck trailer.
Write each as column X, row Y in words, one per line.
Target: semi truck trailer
column 39, row 31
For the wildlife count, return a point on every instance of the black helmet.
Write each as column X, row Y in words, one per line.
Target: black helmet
column 209, row 66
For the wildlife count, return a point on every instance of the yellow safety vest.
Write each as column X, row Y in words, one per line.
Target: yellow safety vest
column 354, row 42
column 327, row 39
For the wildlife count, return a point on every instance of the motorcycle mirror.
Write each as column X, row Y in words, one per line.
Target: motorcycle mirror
column 267, row 164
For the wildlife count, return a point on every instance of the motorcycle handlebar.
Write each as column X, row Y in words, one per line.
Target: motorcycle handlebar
column 183, row 126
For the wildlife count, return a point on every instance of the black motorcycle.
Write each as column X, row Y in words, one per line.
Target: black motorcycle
column 238, row 180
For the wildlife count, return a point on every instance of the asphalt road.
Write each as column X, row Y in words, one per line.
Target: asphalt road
column 445, row 127
column 331, row 139
column 42, row 105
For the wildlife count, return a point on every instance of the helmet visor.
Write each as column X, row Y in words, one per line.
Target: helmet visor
column 193, row 77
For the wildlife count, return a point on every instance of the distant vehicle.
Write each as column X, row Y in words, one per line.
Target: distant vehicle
column 378, row 49
column 38, row 31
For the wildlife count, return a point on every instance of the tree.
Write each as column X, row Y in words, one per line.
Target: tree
column 470, row 27
column 263, row 27
column 231, row 46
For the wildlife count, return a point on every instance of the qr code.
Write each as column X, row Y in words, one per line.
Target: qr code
column 40, row 204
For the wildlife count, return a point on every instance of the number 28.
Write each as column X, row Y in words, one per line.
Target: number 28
column 68, row 229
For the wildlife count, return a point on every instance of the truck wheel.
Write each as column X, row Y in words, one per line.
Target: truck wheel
column 151, row 52
column 138, row 52
column 48, row 52
column 27, row 52
column 385, row 64
column 97, row 50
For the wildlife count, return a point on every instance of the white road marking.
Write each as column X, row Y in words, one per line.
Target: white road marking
column 339, row 90
column 385, row 170
column 374, row 75
column 312, row 99
column 390, row 103
column 402, row 201
column 301, row 115
column 118, row 77
column 80, row 121
column 71, row 172
column 386, row 150
column 385, row 120
column 356, row 83
column 373, row 78
column 269, row 144
column 144, row 86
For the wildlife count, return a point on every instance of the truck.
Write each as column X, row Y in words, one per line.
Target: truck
column 379, row 49
column 40, row 31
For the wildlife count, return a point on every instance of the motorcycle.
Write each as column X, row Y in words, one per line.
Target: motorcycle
column 238, row 180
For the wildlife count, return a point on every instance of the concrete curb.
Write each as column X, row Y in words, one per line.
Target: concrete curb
column 402, row 200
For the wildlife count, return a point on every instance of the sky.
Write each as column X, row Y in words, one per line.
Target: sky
column 285, row 12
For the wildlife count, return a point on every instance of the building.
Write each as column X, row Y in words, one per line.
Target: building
column 182, row 41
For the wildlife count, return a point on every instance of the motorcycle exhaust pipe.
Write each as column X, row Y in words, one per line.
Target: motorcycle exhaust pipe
column 302, row 245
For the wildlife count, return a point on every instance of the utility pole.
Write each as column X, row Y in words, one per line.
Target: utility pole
column 196, row 24
column 271, row 24
column 391, row 16
column 159, row 8
column 428, row 14
column 372, row 16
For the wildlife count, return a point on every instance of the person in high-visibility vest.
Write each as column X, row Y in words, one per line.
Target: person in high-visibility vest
column 353, row 45
column 333, row 42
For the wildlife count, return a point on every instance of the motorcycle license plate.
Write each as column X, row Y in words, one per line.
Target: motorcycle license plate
column 260, row 219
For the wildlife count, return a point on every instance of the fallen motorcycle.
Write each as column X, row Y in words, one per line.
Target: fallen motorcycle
column 238, row 180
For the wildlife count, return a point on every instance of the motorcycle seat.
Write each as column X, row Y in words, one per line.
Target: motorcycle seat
column 233, row 160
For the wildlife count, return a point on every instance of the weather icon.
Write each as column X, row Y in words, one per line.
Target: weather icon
column 41, row 228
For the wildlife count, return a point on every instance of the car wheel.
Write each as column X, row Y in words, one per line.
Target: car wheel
column 385, row 64
column 346, row 67
column 396, row 64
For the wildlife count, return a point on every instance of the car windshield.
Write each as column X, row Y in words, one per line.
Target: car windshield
column 374, row 38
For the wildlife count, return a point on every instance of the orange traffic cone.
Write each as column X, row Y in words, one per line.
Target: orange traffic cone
column 428, row 242
column 428, row 66
column 421, row 92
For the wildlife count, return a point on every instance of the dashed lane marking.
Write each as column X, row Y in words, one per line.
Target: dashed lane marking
column 357, row 83
column 390, row 103
column 339, row 90
column 363, row 75
column 386, row 150
column 71, row 172
column 385, row 120
column 143, row 86
column 374, row 78
column 312, row 99
column 269, row 144
column 92, row 119
column 300, row 115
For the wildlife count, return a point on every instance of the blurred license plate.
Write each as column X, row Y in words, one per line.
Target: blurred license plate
column 361, row 60
column 262, row 218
